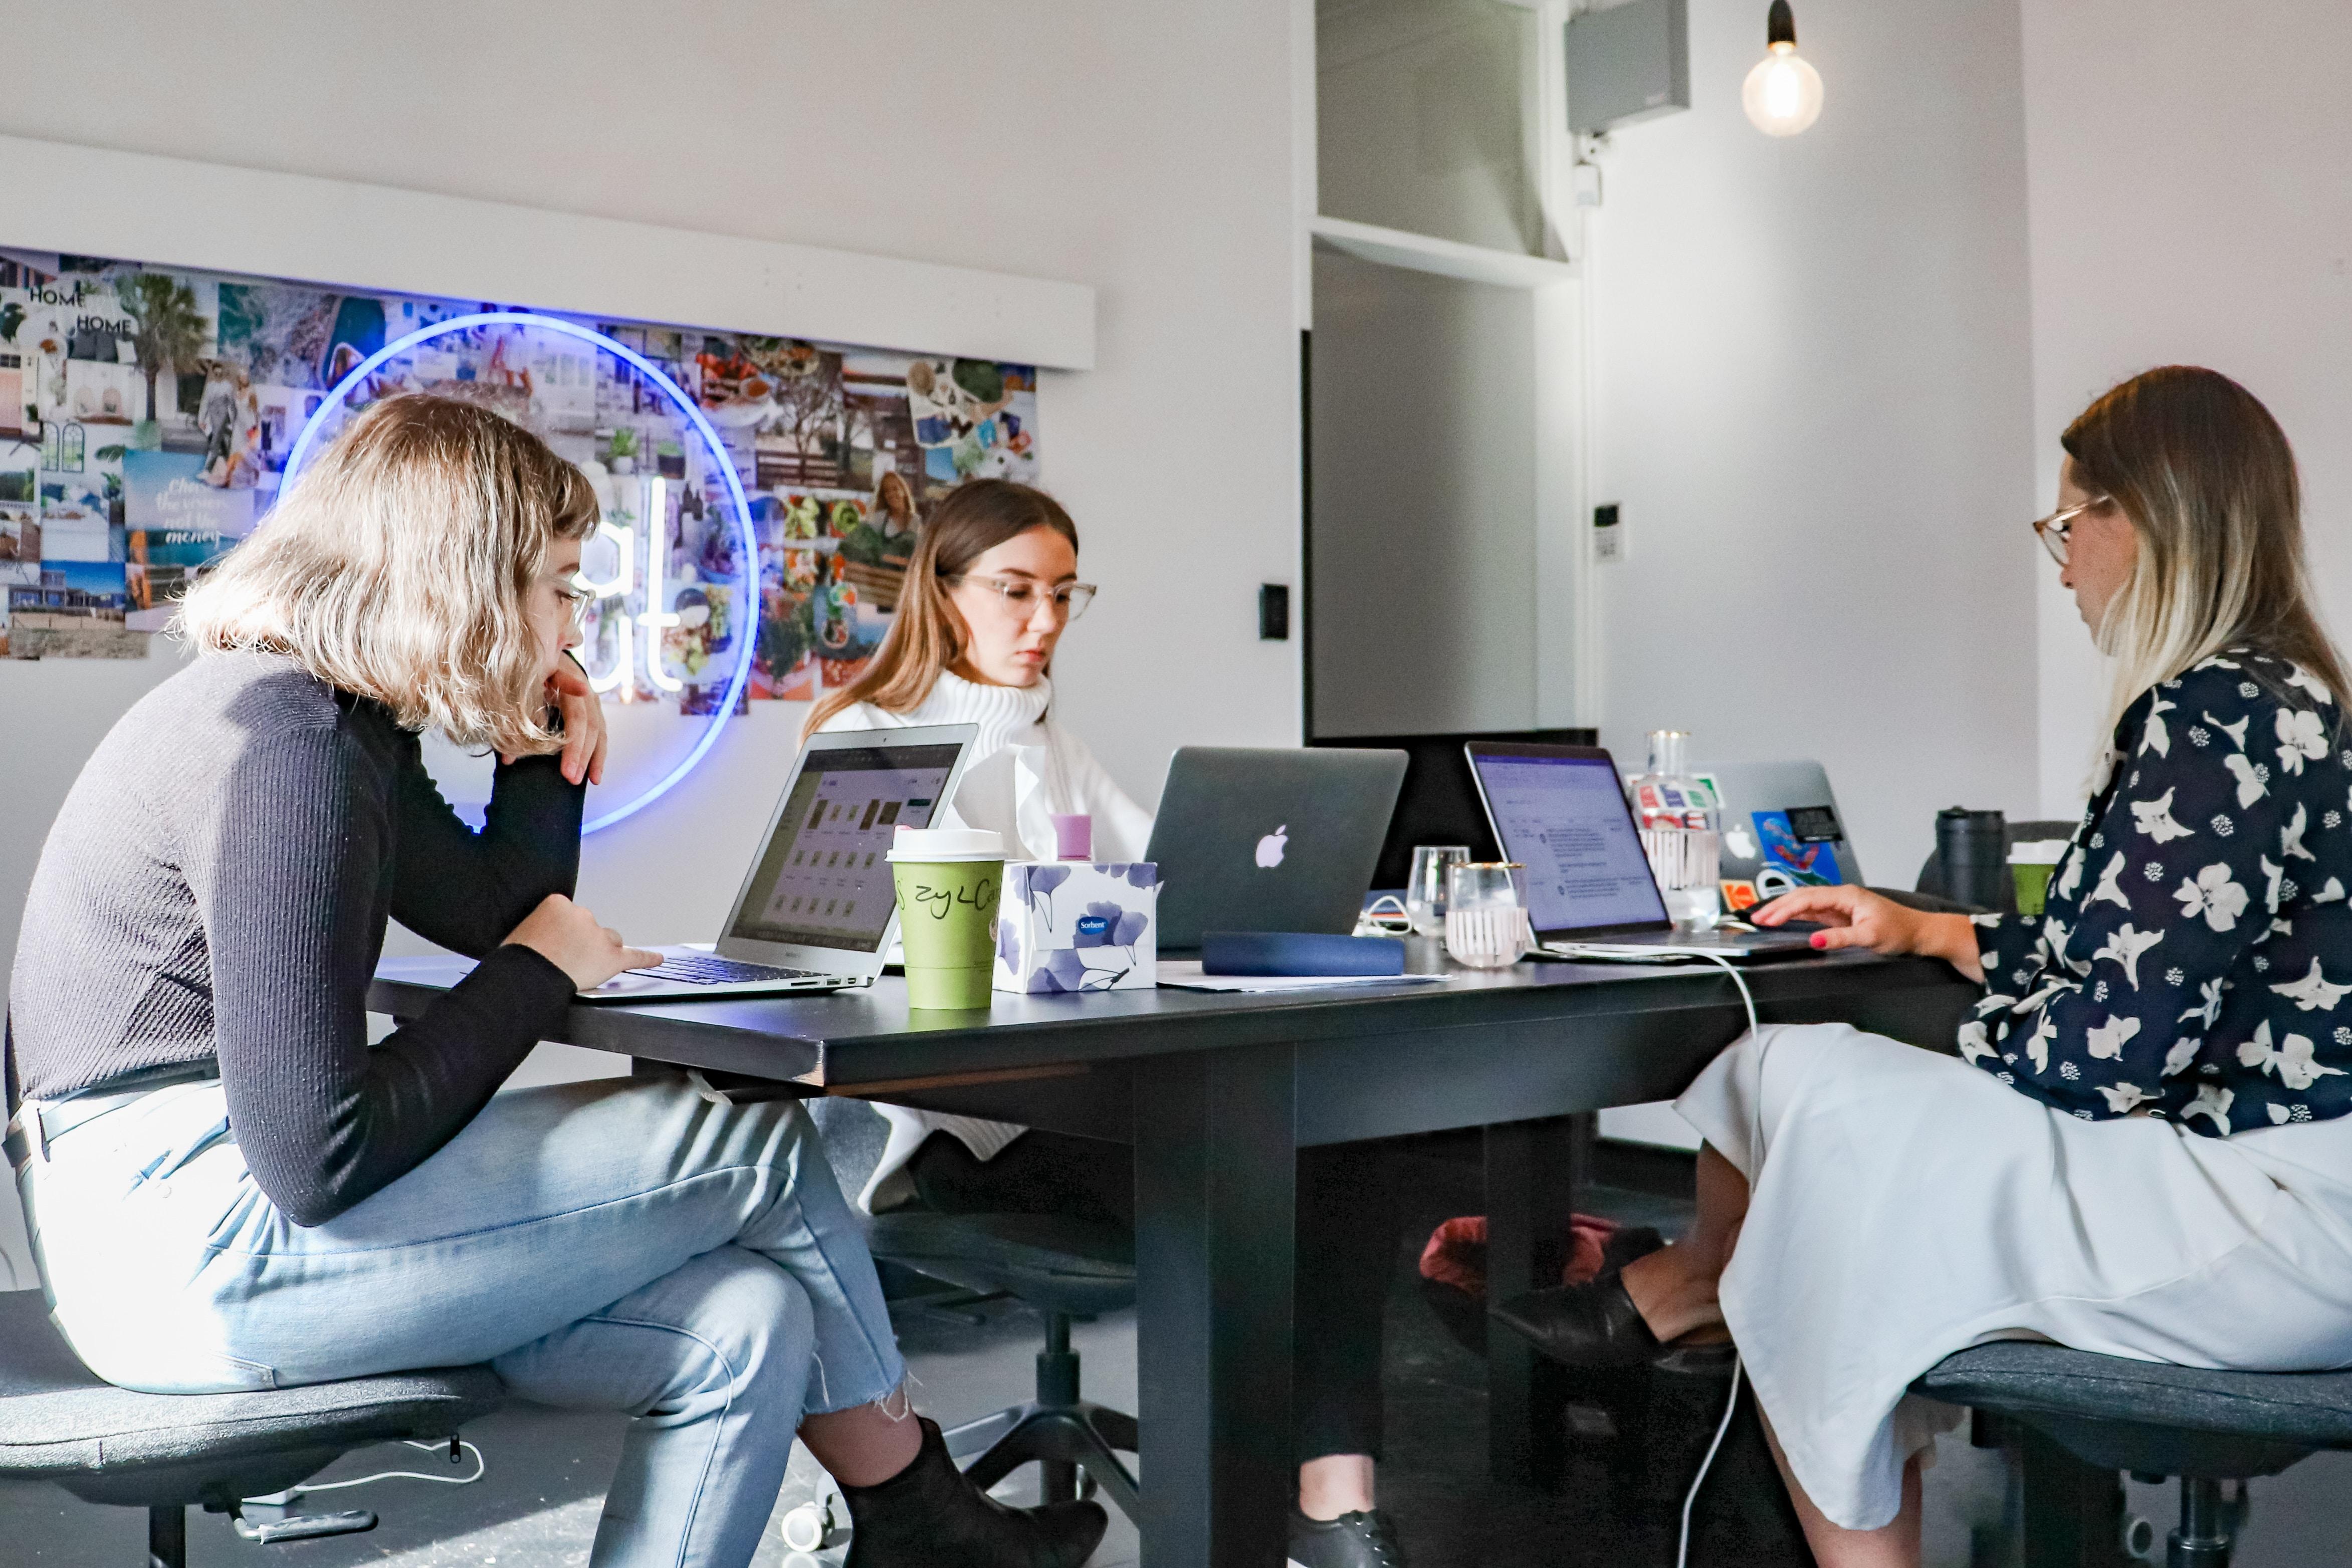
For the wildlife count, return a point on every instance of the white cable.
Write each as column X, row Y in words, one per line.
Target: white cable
column 1756, row 1149
column 1729, row 967
column 1690, row 1498
column 481, row 1468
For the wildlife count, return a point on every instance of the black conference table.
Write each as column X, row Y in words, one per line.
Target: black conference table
column 1217, row 1091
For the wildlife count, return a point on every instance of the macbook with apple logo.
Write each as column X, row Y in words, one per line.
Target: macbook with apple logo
column 1261, row 839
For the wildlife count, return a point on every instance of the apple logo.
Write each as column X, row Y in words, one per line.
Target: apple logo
column 1269, row 848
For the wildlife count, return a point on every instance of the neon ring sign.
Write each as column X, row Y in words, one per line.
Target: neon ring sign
column 656, row 616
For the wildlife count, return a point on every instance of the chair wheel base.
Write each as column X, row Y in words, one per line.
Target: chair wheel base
column 303, row 1526
column 1061, row 1437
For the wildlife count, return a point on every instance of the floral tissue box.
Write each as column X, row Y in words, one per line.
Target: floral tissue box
column 1067, row 925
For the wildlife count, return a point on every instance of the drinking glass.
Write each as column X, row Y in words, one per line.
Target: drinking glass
column 1425, row 894
column 1685, row 862
column 1486, row 915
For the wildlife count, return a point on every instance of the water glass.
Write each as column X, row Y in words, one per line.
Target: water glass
column 1687, row 864
column 1425, row 894
column 1486, row 915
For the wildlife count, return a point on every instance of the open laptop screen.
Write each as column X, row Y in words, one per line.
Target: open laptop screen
column 822, row 881
column 1565, row 819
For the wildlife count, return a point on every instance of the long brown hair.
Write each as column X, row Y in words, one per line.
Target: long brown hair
column 928, row 634
column 2207, row 481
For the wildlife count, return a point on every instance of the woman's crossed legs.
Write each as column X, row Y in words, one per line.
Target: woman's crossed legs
column 615, row 1245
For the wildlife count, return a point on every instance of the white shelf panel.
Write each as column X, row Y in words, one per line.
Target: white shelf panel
column 1448, row 259
column 176, row 212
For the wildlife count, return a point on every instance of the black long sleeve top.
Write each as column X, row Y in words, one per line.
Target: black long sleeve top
column 217, row 885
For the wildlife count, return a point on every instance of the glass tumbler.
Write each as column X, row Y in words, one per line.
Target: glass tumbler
column 1486, row 915
column 1685, row 862
column 1425, row 894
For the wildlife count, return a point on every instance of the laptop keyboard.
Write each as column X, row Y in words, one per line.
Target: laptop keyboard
column 698, row 969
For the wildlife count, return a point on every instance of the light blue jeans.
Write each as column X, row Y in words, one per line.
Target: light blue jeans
column 618, row 1245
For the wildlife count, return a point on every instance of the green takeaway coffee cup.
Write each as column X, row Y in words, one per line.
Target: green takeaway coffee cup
column 2031, row 865
column 948, row 880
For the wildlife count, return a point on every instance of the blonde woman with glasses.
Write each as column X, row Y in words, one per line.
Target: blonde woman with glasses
column 2140, row 1148
column 229, row 1186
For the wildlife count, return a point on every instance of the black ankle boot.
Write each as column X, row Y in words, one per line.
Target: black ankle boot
column 928, row 1516
column 1594, row 1325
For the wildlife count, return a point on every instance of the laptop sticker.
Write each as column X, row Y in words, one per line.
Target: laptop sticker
column 1801, row 844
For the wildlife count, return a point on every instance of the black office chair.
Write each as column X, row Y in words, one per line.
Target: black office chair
column 2086, row 1417
column 169, row 1452
column 1068, row 1270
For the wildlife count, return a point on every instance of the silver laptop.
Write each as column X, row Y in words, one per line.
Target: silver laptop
column 1781, row 829
column 817, row 911
column 1252, row 839
column 1560, row 811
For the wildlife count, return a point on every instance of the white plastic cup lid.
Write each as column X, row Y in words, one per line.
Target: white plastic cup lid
column 2037, row 852
column 946, row 844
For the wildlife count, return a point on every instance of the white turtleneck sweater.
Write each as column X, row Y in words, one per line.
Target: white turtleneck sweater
column 1022, row 770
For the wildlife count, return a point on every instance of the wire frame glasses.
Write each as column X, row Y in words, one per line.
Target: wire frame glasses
column 1019, row 596
column 2053, row 529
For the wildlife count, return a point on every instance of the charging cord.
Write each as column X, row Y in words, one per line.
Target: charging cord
column 1730, row 1405
column 481, row 1468
column 1690, row 1498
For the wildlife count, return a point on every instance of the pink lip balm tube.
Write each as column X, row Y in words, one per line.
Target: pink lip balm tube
column 1074, row 836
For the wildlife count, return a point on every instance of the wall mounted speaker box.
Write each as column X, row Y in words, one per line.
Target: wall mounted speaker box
column 1627, row 63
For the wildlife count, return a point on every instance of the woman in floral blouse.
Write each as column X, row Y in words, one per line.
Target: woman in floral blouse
column 2170, row 1180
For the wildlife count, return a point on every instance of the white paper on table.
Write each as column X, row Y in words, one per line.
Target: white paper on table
column 1186, row 976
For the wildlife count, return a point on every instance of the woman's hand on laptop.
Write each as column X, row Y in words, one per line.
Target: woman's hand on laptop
column 1857, row 918
column 568, row 937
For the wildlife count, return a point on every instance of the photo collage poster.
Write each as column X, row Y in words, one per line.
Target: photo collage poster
column 146, row 414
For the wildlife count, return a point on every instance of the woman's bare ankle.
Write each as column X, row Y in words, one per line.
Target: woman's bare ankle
column 1672, row 1296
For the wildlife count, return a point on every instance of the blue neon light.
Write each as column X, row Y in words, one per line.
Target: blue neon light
column 748, row 545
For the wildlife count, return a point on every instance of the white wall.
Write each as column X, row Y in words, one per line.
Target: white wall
column 2190, row 205
column 1146, row 150
column 1811, row 396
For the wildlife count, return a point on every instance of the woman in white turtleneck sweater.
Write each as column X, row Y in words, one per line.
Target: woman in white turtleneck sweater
column 1024, row 767
column 992, row 587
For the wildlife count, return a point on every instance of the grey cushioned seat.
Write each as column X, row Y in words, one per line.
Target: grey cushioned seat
column 2097, row 1415
column 2301, row 1410
column 1057, row 1264
column 167, row 1452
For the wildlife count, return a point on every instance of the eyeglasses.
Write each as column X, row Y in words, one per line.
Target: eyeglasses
column 576, row 600
column 1019, row 595
column 2052, row 529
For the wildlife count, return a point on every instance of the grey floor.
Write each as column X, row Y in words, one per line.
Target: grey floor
column 537, row 1505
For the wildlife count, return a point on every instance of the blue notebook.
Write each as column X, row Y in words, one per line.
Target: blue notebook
column 1298, row 953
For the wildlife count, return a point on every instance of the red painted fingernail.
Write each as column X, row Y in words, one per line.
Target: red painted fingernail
column 1820, row 939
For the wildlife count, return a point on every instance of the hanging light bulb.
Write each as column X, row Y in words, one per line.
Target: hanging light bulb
column 1783, row 93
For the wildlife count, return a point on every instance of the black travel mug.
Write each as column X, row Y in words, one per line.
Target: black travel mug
column 1974, row 848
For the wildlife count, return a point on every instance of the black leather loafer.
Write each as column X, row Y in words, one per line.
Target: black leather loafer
column 1594, row 1325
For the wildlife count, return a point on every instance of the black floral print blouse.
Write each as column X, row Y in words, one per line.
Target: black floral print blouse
column 2194, row 960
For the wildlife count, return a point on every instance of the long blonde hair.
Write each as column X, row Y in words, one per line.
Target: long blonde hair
column 928, row 635
column 399, row 566
column 2207, row 481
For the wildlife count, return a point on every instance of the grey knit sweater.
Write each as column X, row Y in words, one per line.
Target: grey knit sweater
column 216, row 887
